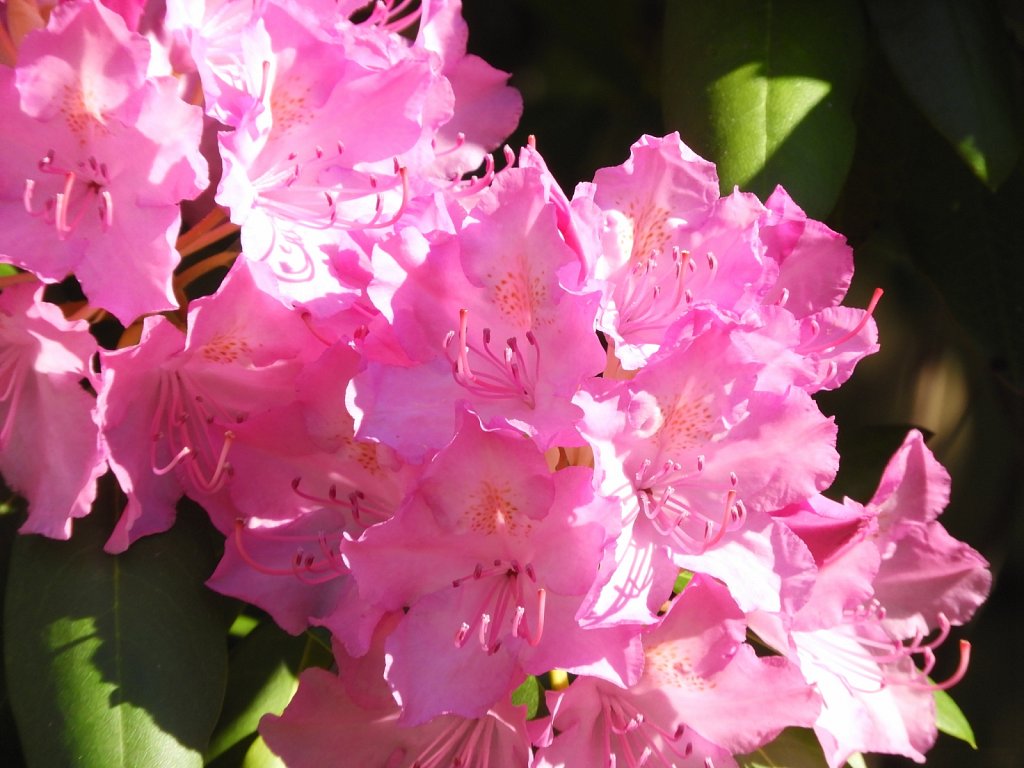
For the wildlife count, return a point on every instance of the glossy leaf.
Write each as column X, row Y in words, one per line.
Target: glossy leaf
column 766, row 89
column 260, row 756
column 263, row 676
column 951, row 720
column 950, row 57
column 117, row 661
column 793, row 748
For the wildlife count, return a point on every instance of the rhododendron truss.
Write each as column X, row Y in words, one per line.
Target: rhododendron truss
column 482, row 434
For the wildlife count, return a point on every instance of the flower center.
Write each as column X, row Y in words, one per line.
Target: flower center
column 78, row 190
column 504, row 377
column 184, row 423
column 629, row 736
column 691, row 528
column 655, row 294
column 507, row 598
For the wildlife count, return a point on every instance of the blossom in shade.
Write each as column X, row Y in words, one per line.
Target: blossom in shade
column 49, row 446
column 168, row 407
column 891, row 584
column 323, row 725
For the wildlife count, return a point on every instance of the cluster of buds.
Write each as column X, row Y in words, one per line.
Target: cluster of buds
column 479, row 430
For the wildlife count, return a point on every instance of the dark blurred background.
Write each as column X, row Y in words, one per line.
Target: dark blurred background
column 912, row 152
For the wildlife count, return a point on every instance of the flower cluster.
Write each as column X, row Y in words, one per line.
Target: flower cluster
column 477, row 429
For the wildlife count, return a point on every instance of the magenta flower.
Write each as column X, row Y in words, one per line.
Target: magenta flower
column 492, row 555
column 188, row 391
column 888, row 576
column 98, row 157
column 703, row 697
column 486, row 321
column 49, row 446
column 698, row 456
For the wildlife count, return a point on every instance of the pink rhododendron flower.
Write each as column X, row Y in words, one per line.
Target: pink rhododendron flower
column 319, row 156
column 324, row 726
column 696, row 454
column 703, row 697
column 866, row 663
column 492, row 554
column 49, row 446
column 173, row 435
column 98, row 157
column 488, row 323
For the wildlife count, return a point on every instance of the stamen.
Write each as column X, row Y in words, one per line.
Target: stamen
column 66, row 206
column 689, row 528
column 307, row 568
column 652, row 298
column 179, row 457
column 473, row 184
column 958, row 675
column 264, row 80
column 500, row 378
column 502, row 606
column 831, row 345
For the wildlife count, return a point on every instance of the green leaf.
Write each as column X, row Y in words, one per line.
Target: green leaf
column 951, row 720
column 263, row 676
column 260, row 756
column 115, row 661
column 765, row 90
column 7, row 269
column 952, row 58
column 793, row 748
column 682, row 580
column 528, row 694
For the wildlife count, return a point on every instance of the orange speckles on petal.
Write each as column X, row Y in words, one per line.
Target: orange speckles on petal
column 82, row 120
column 650, row 230
column 363, row 454
column 521, row 298
column 225, row 349
column 492, row 510
column 288, row 106
column 670, row 666
column 685, row 424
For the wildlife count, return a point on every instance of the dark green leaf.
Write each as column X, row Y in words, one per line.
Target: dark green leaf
column 528, row 694
column 765, row 89
column 952, row 59
column 794, row 748
column 263, row 676
column 115, row 661
column 951, row 720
